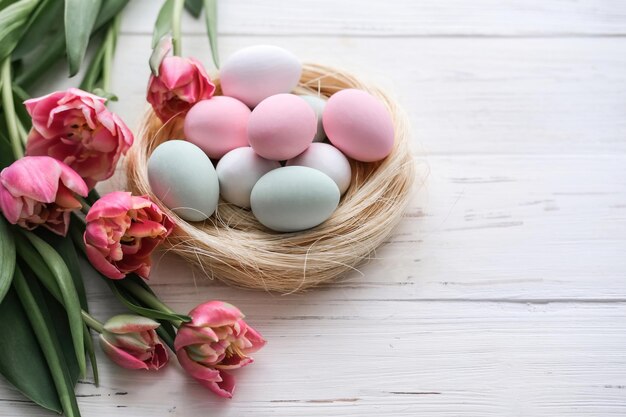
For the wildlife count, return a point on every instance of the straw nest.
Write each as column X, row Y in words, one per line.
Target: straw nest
column 234, row 247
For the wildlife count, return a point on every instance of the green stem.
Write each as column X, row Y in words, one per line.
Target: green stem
column 91, row 322
column 141, row 294
column 176, row 20
column 23, row 133
column 109, row 49
column 9, row 110
column 85, row 205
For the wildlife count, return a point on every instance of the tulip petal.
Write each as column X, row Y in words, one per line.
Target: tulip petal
column 215, row 314
column 102, row 264
column 189, row 335
column 159, row 357
column 199, row 372
column 33, row 177
column 120, row 357
column 113, row 204
column 10, row 206
column 254, row 338
column 129, row 323
column 224, row 388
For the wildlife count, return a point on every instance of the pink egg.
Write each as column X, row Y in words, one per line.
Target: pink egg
column 218, row 125
column 359, row 125
column 281, row 127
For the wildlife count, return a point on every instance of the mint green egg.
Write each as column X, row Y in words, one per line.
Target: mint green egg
column 294, row 198
column 184, row 179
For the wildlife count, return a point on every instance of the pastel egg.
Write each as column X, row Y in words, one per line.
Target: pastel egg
column 317, row 104
column 281, row 127
column 238, row 171
column 359, row 125
column 252, row 74
column 294, row 198
column 217, row 125
column 329, row 160
column 183, row 178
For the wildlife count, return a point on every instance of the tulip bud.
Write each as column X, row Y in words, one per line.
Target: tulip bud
column 131, row 342
column 182, row 82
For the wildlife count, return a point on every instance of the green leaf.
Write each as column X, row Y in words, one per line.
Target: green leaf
column 69, row 296
column 5, row 3
column 6, row 152
column 108, row 10
column 105, row 94
column 65, row 247
column 210, row 17
column 163, row 23
column 80, row 18
column 48, row 56
column 7, row 257
column 132, row 304
column 20, row 109
column 43, row 22
column 160, row 51
column 92, row 355
column 194, row 7
column 34, row 304
column 13, row 21
column 21, row 360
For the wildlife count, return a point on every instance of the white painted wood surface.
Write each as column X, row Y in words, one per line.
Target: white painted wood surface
column 503, row 291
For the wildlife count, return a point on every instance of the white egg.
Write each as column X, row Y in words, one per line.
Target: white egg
column 183, row 178
column 329, row 160
column 252, row 74
column 317, row 104
column 238, row 171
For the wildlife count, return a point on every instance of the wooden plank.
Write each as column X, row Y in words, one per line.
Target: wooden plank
column 357, row 358
column 399, row 18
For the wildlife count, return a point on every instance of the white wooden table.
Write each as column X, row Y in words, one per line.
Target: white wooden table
column 503, row 292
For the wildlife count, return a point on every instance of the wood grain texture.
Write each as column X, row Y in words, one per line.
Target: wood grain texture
column 502, row 292
column 400, row 18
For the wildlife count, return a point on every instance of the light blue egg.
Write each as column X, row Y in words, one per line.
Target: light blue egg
column 294, row 198
column 184, row 179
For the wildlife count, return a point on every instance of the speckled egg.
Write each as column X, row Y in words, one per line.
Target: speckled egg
column 359, row 125
column 238, row 171
column 294, row 198
column 317, row 104
column 252, row 74
column 183, row 178
column 329, row 160
column 217, row 125
column 281, row 127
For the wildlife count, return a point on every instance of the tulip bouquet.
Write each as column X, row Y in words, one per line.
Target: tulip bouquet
column 53, row 152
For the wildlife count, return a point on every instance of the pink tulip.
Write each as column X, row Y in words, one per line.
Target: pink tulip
column 39, row 190
column 75, row 127
column 122, row 231
column 217, row 339
column 182, row 82
column 132, row 343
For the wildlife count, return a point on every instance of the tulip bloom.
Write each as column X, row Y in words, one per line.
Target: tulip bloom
column 182, row 82
column 122, row 231
column 132, row 343
column 216, row 340
column 75, row 127
column 39, row 190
